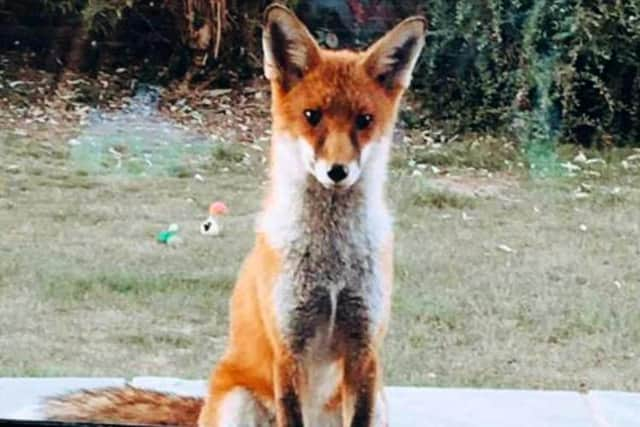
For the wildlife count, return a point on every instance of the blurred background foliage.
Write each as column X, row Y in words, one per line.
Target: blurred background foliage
column 540, row 69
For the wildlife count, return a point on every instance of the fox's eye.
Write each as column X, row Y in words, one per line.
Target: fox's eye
column 363, row 121
column 313, row 116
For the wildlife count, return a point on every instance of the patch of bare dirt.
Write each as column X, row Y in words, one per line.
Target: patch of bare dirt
column 36, row 102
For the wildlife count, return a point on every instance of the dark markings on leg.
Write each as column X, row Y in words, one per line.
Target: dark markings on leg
column 291, row 408
column 361, row 382
column 364, row 406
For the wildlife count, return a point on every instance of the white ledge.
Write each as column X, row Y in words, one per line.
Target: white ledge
column 409, row 406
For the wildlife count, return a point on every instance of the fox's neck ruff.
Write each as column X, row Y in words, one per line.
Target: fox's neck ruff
column 330, row 241
column 299, row 207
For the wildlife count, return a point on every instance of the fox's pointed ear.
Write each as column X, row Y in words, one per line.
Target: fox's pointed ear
column 289, row 49
column 392, row 58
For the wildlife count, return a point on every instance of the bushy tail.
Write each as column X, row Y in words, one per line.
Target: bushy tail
column 125, row 405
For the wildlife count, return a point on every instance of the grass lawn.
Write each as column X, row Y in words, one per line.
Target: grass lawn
column 501, row 280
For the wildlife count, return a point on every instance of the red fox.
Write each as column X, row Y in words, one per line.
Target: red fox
column 311, row 304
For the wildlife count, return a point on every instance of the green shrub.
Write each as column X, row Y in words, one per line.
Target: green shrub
column 570, row 69
column 545, row 70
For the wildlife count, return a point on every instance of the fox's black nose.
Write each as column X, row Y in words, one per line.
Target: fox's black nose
column 337, row 173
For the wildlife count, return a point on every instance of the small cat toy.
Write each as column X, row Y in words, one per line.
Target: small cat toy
column 169, row 236
column 212, row 227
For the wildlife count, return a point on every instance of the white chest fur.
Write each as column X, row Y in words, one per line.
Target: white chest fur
column 331, row 242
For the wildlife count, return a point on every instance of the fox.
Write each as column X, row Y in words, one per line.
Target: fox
column 312, row 302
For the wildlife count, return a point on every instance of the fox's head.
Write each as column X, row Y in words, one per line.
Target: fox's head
column 334, row 111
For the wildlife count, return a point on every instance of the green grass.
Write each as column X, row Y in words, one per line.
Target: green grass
column 441, row 199
column 477, row 152
column 130, row 286
column 86, row 290
column 227, row 152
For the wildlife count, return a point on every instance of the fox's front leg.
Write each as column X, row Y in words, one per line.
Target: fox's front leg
column 287, row 392
column 359, row 388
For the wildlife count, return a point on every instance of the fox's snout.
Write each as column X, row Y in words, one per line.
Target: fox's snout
column 334, row 162
column 339, row 156
column 335, row 174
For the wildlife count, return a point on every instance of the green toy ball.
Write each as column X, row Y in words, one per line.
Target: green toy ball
column 169, row 236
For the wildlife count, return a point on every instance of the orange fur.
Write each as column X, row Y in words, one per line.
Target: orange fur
column 340, row 86
column 262, row 377
column 248, row 361
column 125, row 405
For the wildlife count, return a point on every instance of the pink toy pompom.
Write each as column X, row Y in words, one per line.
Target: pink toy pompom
column 217, row 208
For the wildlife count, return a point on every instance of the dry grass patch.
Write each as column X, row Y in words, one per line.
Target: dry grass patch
column 86, row 290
